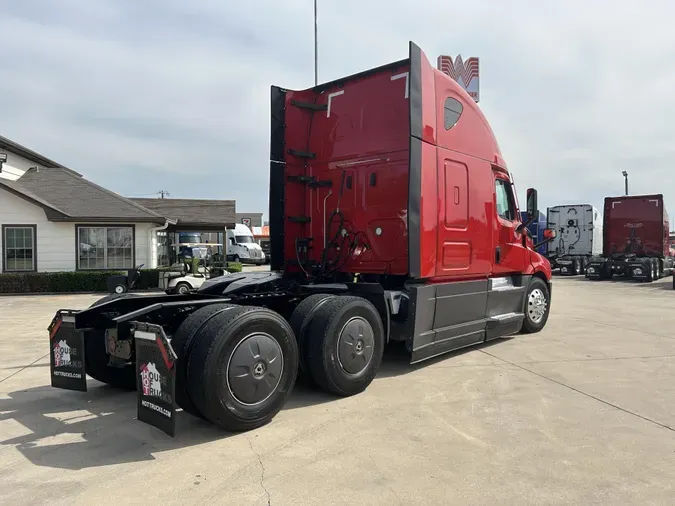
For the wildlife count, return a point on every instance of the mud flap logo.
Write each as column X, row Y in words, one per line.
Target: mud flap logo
column 61, row 354
column 156, row 377
column 151, row 381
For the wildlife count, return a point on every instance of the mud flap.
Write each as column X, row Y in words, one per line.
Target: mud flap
column 155, row 377
column 66, row 352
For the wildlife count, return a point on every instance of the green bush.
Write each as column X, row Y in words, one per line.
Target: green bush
column 233, row 267
column 81, row 281
column 63, row 282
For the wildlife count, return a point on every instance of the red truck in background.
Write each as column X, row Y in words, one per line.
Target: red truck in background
column 636, row 239
column 393, row 217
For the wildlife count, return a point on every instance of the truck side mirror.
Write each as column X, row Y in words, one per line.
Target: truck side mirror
column 532, row 208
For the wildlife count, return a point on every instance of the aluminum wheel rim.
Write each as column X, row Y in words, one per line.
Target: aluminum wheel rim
column 355, row 345
column 254, row 369
column 536, row 306
column 183, row 289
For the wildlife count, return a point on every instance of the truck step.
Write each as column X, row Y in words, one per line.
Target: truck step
column 502, row 319
column 309, row 105
column 300, row 179
column 310, row 181
column 299, row 219
column 302, row 154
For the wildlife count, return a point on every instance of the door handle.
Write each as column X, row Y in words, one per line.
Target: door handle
column 497, row 254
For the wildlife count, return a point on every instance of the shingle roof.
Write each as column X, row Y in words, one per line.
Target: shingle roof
column 78, row 199
column 194, row 212
column 16, row 189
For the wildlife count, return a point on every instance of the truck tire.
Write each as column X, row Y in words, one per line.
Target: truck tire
column 576, row 266
column 242, row 367
column 96, row 356
column 651, row 275
column 300, row 320
column 606, row 272
column 536, row 307
column 182, row 288
column 659, row 269
column 345, row 345
column 181, row 342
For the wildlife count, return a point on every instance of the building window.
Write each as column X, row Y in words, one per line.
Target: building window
column 101, row 248
column 19, row 251
column 505, row 204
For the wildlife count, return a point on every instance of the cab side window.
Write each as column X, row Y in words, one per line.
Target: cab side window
column 505, row 204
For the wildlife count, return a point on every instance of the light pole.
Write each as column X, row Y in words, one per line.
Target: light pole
column 316, row 49
column 625, row 177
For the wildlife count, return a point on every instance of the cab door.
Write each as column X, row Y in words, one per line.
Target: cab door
column 510, row 255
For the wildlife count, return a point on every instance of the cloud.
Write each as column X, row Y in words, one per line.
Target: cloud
column 143, row 96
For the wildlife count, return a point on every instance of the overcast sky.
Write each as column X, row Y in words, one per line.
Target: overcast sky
column 149, row 95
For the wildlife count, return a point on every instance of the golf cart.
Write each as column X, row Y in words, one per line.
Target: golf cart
column 122, row 283
column 192, row 271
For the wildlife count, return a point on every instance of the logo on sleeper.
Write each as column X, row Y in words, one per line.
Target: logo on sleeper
column 151, row 380
column 62, row 354
column 466, row 73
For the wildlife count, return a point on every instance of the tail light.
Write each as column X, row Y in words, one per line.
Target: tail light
column 549, row 233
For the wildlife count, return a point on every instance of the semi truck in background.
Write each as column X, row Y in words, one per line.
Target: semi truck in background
column 242, row 247
column 393, row 218
column 537, row 231
column 636, row 239
column 578, row 237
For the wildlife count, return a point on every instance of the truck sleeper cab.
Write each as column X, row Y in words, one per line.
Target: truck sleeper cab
column 635, row 246
column 578, row 237
column 393, row 217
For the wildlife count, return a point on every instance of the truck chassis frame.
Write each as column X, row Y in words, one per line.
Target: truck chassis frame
column 171, row 348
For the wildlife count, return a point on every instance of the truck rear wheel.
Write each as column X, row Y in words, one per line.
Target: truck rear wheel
column 242, row 367
column 181, row 342
column 96, row 357
column 576, row 266
column 345, row 345
column 651, row 274
column 537, row 306
column 300, row 320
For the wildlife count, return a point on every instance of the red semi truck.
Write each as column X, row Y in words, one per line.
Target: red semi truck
column 393, row 218
column 636, row 239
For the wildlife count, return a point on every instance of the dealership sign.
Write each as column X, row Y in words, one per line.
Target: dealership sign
column 466, row 73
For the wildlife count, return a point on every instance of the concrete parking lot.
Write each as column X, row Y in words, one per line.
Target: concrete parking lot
column 582, row 413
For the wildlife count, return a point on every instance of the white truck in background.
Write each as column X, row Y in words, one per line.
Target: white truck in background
column 242, row 247
column 578, row 237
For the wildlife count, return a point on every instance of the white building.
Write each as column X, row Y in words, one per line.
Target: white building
column 53, row 219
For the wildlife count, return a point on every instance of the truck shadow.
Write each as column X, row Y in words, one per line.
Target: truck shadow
column 396, row 360
column 76, row 430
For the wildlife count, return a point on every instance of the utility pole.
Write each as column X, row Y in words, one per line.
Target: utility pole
column 316, row 49
column 164, row 192
column 625, row 177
